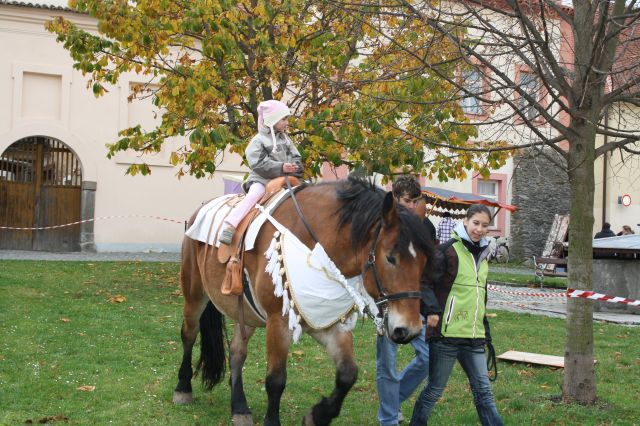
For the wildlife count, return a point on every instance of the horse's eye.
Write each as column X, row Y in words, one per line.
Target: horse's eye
column 391, row 260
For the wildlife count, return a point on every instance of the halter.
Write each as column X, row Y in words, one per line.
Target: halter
column 384, row 298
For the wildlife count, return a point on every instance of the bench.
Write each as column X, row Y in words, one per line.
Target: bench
column 548, row 267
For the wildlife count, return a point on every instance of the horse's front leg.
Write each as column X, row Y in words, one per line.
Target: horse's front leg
column 237, row 356
column 278, row 342
column 339, row 345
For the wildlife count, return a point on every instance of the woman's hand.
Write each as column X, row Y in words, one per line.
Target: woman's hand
column 432, row 320
column 289, row 168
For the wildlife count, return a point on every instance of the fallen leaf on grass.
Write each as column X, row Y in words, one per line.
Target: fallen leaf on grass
column 545, row 386
column 492, row 315
column 65, row 320
column 118, row 298
column 86, row 388
column 299, row 353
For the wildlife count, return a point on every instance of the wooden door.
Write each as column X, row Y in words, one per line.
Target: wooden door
column 40, row 187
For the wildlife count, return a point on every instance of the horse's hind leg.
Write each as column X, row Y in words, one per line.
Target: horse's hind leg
column 278, row 342
column 339, row 345
column 195, row 301
column 237, row 356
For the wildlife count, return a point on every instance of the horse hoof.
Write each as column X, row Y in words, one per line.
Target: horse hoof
column 182, row 397
column 242, row 420
column 307, row 420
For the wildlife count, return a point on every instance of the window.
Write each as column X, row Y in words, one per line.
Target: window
column 473, row 83
column 529, row 83
column 489, row 189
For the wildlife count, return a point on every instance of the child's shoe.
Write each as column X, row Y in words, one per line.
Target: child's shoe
column 226, row 236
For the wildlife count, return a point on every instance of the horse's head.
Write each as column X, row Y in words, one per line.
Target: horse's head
column 398, row 255
column 398, row 247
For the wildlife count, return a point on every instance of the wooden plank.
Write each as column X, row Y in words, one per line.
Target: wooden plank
column 531, row 358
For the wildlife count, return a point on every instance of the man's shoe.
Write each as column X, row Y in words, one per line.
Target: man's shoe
column 226, row 236
column 400, row 417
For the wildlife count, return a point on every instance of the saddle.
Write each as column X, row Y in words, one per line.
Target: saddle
column 233, row 253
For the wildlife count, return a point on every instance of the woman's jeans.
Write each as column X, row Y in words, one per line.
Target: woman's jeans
column 394, row 387
column 442, row 357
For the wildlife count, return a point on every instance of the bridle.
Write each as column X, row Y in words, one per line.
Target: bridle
column 384, row 298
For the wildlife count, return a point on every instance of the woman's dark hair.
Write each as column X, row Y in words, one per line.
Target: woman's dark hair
column 478, row 208
column 406, row 185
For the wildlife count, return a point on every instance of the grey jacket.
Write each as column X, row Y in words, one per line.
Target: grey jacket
column 266, row 163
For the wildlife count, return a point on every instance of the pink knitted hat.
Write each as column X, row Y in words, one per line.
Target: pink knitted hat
column 270, row 112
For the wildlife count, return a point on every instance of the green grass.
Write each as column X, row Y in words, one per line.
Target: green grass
column 61, row 328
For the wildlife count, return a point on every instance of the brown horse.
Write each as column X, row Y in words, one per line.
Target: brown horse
column 364, row 232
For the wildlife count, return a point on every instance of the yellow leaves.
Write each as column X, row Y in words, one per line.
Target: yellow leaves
column 86, row 388
column 174, row 159
column 260, row 10
column 118, row 298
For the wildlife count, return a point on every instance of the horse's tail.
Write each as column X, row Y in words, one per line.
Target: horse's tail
column 212, row 363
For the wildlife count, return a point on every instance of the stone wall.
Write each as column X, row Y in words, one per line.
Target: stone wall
column 616, row 277
column 540, row 191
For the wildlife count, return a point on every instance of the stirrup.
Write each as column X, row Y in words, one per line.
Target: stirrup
column 226, row 236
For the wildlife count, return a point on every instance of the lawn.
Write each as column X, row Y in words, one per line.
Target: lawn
column 98, row 343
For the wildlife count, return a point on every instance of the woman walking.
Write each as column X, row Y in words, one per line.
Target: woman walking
column 459, row 284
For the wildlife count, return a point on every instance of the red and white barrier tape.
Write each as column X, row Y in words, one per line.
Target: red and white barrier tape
column 571, row 293
column 15, row 228
column 524, row 293
column 598, row 296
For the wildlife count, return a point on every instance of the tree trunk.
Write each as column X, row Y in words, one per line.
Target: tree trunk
column 579, row 375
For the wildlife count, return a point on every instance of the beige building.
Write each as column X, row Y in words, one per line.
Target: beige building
column 53, row 164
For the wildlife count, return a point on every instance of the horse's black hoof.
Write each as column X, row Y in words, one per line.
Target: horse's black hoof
column 182, row 397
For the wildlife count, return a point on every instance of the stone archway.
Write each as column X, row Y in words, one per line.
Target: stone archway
column 41, row 186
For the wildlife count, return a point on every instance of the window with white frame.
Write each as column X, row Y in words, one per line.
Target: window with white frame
column 530, row 84
column 489, row 189
column 473, row 83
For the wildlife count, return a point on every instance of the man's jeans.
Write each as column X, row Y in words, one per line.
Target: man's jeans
column 394, row 387
column 442, row 357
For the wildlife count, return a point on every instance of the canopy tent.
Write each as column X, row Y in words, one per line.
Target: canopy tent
column 440, row 200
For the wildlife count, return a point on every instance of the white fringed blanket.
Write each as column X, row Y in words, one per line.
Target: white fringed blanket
column 312, row 288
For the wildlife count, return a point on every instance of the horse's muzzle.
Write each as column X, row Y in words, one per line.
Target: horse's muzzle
column 402, row 335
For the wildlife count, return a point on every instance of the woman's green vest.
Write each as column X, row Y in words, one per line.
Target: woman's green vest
column 464, row 311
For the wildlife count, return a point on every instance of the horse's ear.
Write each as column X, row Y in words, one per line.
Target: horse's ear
column 389, row 211
column 421, row 209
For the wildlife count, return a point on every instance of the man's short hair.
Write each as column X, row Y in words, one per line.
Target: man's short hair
column 446, row 214
column 406, row 185
column 606, row 225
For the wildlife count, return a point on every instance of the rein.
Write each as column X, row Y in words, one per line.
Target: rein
column 299, row 210
column 384, row 298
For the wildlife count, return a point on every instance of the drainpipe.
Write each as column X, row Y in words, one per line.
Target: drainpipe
column 604, row 170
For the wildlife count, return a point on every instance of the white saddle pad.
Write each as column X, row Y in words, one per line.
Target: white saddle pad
column 210, row 217
column 318, row 294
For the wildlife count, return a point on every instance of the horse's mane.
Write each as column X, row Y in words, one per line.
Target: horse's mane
column 361, row 207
